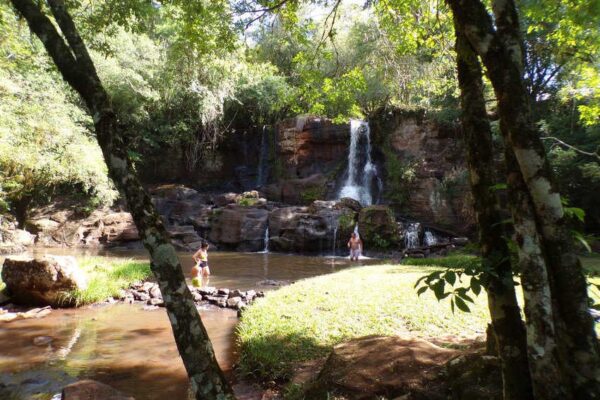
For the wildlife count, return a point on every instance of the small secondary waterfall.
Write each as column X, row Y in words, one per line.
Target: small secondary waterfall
column 361, row 169
column 261, row 173
column 335, row 229
column 266, row 241
column 411, row 237
column 430, row 239
column 356, row 231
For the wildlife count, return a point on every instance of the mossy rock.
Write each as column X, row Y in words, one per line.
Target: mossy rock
column 378, row 228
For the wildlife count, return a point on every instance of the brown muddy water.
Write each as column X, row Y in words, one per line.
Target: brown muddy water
column 127, row 347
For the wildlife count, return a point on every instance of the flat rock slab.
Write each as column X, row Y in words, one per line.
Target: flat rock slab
column 374, row 366
column 92, row 390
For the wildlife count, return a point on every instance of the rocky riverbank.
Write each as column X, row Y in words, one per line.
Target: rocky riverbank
column 148, row 294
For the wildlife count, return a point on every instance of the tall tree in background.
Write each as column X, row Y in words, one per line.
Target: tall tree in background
column 505, row 313
column 500, row 47
column 71, row 57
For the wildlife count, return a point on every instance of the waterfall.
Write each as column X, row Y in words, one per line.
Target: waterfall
column 430, row 238
column 263, row 158
column 411, row 236
column 361, row 169
column 356, row 231
column 266, row 240
column 334, row 238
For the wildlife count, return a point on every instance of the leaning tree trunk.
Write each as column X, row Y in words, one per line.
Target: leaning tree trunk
column 75, row 65
column 502, row 300
column 501, row 52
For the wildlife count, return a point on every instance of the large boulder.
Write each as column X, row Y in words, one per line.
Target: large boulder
column 92, row 390
column 378, row 366
column 239, row 228
column 305, row 229
column 42, row 281
column 15, row 240
column 378, row 228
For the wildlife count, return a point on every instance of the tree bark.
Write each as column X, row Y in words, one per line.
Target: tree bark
column 502, row 300
column 501, row 52
column 75, row 65
column 544, row 360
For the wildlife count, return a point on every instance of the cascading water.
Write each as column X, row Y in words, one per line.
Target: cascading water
column 356, row 231
column 361, row 169
column 411, row 236
column 266, row 241
column 429, row 238
column 261, row 173
column 335, row 229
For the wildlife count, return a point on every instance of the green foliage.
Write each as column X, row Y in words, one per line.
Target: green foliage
column 310, row 194
column 401, row 176
column 45, row 141
column 380, row 242
column 459, row 270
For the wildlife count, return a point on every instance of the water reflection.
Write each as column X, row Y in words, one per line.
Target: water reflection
column 131, row 349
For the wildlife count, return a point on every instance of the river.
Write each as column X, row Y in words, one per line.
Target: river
column 127, row 347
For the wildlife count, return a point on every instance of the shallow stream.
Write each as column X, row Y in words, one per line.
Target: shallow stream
column 127, row 347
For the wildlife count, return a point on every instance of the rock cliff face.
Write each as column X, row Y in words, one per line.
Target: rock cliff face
column 426, row 176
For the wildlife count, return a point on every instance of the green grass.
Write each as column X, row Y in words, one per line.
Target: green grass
column 456, row 261
column 107, row 276
column 303, row 321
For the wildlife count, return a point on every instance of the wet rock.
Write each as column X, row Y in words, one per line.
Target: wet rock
column 460, row 241
column 378, row 228
column 155, row 302
column 154, row 292
column 42, row 340
column 141, row 296
column 42, row 281
column 197, row 296
column 223, row 291
column 235, row 293
column 92, row 390
column 250, row 295
column 232, row 302
column 347, row 202
column 224, row 199
column 239, row 228
column 8, row 316
column 207, row 291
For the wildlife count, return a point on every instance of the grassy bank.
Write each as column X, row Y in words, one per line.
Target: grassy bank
column 106, row 277
column 303, row 321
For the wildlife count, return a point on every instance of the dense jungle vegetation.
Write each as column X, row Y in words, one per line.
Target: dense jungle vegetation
column 176, row 84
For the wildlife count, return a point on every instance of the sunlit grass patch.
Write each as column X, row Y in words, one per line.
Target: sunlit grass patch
column 107, row 276
column 305, row 320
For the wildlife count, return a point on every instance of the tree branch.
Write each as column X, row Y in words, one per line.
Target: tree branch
column 560, row 142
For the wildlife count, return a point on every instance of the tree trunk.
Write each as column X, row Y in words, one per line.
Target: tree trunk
column 544, row 361
column 75, row 65
column 501, row 52
column 502, row 300
column 22, row 209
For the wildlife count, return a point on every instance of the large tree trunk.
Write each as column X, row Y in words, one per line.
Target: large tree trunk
column 501, row 52
column 502, row 300
column 75, row 65
column 544, row 361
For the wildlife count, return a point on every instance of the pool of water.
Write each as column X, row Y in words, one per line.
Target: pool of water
column 128, row 347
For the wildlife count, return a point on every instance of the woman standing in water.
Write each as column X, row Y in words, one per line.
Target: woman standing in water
column 200, row 270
